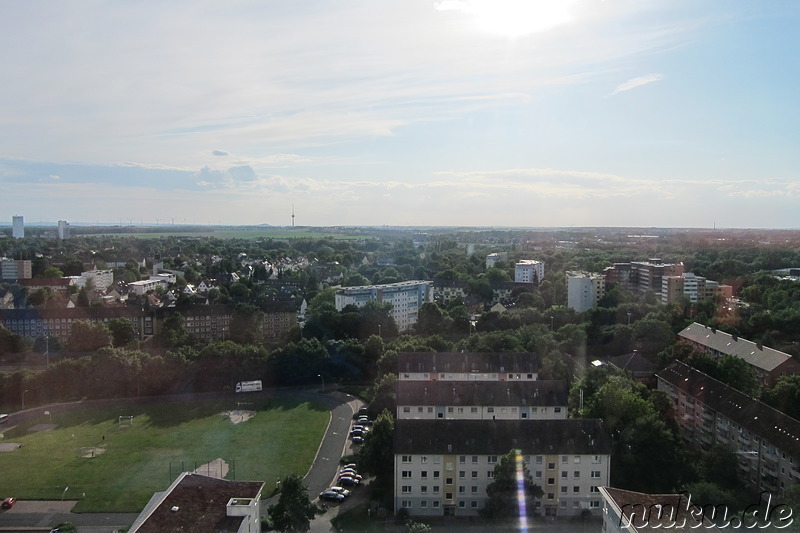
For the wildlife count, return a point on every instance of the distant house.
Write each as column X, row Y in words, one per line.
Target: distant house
column 768, row 363
column 203, row 504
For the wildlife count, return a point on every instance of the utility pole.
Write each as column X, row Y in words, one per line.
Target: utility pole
column 292, row 215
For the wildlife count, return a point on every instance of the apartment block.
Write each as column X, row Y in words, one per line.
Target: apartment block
column 769, row 364
column 481, row 400
column 529, row 271
column 406, row 298
column 626, row 511
column 100, row 279
column 584, row 290
column 457, row 366
column 766, row 441
column 18, row 227
column 642, row 276
column 13, row 270
column 695, row 288
column 442, row 467
column 63, row 230
column 495, row 257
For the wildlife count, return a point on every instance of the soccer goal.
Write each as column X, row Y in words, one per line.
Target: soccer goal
column 125, row 421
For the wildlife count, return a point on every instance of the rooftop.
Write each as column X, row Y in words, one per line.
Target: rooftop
column 472, row 362
column 474, row 393
column 758, row 356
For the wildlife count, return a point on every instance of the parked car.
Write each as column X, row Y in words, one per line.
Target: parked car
column 347, row 471
column 8, row 503
column 357, row 433
column 358, row 440
column 352, row 475
column 350, row 465
column 341, row 490
column 348, row 481
column 331, row 495
column 363, row 411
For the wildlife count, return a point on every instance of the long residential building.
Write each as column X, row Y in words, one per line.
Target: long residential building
column 766, row 441
column 769, row 364
column 406, row 298
column 481, row 400
column 695, row 288
column 642, row 276
column 13, row 270
column 442, row 467
column 458, row 366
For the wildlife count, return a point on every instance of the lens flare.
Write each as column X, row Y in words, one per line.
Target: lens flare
column 521, row 503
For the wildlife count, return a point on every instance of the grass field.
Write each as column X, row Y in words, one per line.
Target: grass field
column 131, row 463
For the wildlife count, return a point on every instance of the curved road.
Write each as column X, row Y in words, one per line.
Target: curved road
column 44, row 515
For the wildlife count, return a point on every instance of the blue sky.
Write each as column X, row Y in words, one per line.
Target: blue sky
column 674, row 113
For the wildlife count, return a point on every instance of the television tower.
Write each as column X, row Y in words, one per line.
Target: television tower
column 292, row 215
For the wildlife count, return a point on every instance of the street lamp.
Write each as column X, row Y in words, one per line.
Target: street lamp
column 64, row 493
column 323, row 382
column 23, row 398
column 552, row 319
column 629, row 318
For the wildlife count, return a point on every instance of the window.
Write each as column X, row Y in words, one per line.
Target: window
column 449, row 409
column 557, row 409
column 435, row 474
column 448, row 495
column 436, row 489
column 419, row 409
column 474, row 474
column 551, row 496
column 538, row 459
column 538, row 473
column 551, row 481
column 562, row 504
column 473, row 504
column 460, row 410
column 576, row 489
column 576, row 459
column 594, row 489
column 462, row 504
column 594, row 504
column 595, row 474
column 423, row 459
column 551, row 466
column 462, row 459
column 564, row 474
column 473, row 409
column 424, row 489
column 430, row 409
column 596, row 459
column 474, row 459
column 462, row 474
column 423, row 504
column 576, row 474
column 474, row 489
column 564, row 489
column 423, row 474
column 435, row 505
column 462, row 489
column 406, row 409
column 406, row 504
column 406, row 458
column 564, row 459
column 492, row 459
column 490, row 474
column 448, row 481
column 405, row 489
column 490, row 409
column 406, row 474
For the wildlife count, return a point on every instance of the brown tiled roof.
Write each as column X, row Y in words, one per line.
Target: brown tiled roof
column 45, row 282
column 489, row 437
column 201, row 506
column 656, row 512
column 479, row 393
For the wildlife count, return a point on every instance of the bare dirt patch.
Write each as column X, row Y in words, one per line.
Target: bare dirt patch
column 239, row 416
column 89, row 453
column 216, row 469
column 10, row 446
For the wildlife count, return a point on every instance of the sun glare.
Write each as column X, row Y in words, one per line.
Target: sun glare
column 516, row 18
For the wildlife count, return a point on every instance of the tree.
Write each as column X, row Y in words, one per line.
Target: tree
column 85, row 336
column 376, row 456
column 247, row 324
column 122, row 331
column 10, row 342
column 294, row 510
column 784, row 396
column 502, row 502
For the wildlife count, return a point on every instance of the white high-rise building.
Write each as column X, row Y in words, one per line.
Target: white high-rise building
column 584, row 290
column 529, row 271
column 63, row 229
column 406, row 298
column 17, row 227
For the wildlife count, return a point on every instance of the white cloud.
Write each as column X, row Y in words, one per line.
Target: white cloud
column 637, row 82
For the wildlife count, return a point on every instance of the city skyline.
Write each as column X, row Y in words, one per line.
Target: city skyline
column 422, row 113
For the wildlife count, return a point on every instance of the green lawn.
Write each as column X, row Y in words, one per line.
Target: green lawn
column 163, row 441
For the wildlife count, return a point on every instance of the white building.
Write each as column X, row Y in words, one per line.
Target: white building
column 142, row 287
column 529, row 271
column 584, row 290
column 101, row 279
column 17, row 227
column 63, row 230
column 442, row 467
column 493, row 258
column 406, row 298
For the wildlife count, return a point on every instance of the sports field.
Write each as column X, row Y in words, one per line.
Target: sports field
column 87, row 456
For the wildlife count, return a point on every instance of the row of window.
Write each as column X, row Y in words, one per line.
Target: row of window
column 492, row 459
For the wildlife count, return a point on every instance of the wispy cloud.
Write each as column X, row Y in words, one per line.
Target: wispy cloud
column 637, row 82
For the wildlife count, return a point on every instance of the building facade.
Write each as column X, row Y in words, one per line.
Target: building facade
column 63, row 230
column 529, row 271
column 442, row 467
column 13, row 270
column 695, row 288
column 584, row 290
column 458, row 366
column 708, row 412
column 406, row 298
column 495, row 257
column 642, row 276
column 17, row 227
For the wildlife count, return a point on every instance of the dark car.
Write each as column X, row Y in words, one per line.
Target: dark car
column 358, row 439
column 8, row 503
column 331, row 495
column 347, row 481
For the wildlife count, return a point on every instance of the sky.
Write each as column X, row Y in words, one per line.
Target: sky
column 522, row 113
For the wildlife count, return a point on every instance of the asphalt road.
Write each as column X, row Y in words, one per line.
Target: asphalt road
column 44, row 515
